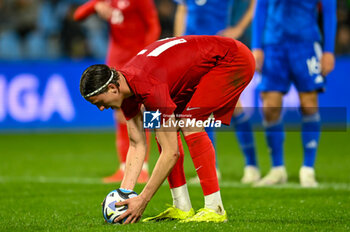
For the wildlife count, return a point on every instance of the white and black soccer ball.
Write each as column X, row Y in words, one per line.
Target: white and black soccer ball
column 109, row 211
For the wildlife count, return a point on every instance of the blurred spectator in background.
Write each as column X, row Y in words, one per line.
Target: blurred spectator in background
column 343, row 34
column 166, row 12
column 19, row 32
column 73, row 37
column 50, row 21
column 45, row 29
column 133, row 24
column 343, row 40
column 32, row 29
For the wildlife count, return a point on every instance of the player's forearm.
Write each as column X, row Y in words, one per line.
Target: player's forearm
column 247, row 17
column 85, row 10
column 136, row 153
column 134, row 161
column 180, row 19
column 163, row 167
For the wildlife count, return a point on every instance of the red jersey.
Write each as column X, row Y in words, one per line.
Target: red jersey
column 134, row 24
column 166, row 74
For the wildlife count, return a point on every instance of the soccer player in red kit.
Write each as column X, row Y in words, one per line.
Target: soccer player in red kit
column 133, row 25
column 197, row 76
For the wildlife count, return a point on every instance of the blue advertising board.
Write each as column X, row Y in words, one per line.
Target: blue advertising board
column 45, row 96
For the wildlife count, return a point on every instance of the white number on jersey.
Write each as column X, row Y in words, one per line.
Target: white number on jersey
column 117, row 17
column 159, row 50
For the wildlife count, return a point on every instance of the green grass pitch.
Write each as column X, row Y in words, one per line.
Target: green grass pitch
column 51, row 182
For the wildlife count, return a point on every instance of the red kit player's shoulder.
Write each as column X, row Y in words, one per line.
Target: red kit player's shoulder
column 172, row 52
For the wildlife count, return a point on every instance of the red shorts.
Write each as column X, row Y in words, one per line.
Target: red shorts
column 219, row 90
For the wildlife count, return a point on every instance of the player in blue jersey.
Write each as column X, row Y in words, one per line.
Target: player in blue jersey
column 286, row 46
column 212, row 17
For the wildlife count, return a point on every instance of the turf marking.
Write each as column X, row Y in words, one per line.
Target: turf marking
column 224, row 184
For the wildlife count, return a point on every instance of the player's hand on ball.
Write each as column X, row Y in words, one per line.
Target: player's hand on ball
column 109, row 209
column 327, row 63
column 136, row 206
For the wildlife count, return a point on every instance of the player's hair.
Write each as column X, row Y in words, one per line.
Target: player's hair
column 96, row 78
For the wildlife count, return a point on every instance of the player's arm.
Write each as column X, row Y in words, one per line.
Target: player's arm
column 258, row 30
column 136, row 153
column 150, row 16
column 180, row 19
column 104, row 10
column 329, row 8
column 166, row 161
column 85, row 10
column 237, row 30
column 167, row 139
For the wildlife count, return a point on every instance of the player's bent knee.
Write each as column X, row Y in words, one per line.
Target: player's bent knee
column 189, row 131
column 308, row 106
column 309, row 109
column 272, row 114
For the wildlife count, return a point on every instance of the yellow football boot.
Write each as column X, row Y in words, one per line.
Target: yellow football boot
column 172, row 213
column 207, row 215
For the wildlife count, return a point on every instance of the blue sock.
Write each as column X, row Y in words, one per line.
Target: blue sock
column 275, row 139
column 244, row 134
column 310, row 133
column 211, row 134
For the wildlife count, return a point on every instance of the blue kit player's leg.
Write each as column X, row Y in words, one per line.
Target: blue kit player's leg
column 275, row 82
column 211, row 135
column 275, row 135
column 245, row 138
column 308, row 81
column 310, row 133
column 244, row 134
column 275, row 139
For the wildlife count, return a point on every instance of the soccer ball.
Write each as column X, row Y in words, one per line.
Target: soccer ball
column 109, row 211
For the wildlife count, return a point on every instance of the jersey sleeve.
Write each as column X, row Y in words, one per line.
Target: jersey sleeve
column 159, row 99
column 329, row 9
column 259, row 23
column 149, row 14
column 130, row 108
column 85, row 10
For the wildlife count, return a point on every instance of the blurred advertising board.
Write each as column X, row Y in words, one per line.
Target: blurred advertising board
column 45, row 96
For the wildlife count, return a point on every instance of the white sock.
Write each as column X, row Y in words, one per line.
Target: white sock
column 213, row 201
column 181, row 198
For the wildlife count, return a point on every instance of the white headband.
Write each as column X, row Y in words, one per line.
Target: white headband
column 99, row 89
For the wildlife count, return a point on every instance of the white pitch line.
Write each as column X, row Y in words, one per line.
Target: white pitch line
column 225, row 184
column 45, row 179
column 293, row 185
